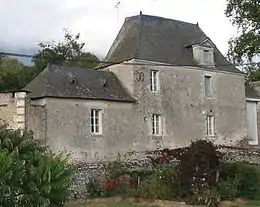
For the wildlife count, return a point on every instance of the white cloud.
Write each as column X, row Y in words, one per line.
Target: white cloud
column 26, row 23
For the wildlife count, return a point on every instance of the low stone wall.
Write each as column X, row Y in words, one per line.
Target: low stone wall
column 88, row 171
column 85, row 172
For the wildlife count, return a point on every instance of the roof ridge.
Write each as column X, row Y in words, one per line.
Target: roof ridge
column 47, row 71
column 162, row 18
column 139, row 31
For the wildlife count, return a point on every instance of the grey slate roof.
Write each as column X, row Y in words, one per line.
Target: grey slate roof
column 162, row 40
column 67, row 82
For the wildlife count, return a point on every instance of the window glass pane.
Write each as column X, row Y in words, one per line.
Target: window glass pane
column 153, row 80
column 153, row 123
column 97, row 129
column 96, row 121
column 210, row 125
column 156, row 130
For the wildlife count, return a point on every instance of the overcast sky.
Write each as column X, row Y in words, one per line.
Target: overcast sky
column 25, row 23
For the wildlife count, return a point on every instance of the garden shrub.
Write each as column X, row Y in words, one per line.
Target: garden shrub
column 199, row 177
column 30, row 175
column 118, row 181
column 161, row 184
column 198, row 167
column 228, row 188
column 204, row 196
column 242, row 176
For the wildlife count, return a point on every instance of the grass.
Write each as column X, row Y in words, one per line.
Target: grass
column 250, row 203
column 253, row 203
column 121, row 204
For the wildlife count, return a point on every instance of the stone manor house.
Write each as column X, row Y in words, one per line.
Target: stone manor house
column 166, row 84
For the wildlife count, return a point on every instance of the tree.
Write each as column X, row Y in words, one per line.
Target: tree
column 68, row 52
column 8, row 64
column 14, row 75
column 245, row 47
column 29, row 174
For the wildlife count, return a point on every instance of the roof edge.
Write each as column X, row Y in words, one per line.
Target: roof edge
column 15, row 91
column 158, row 18
column 82, row 98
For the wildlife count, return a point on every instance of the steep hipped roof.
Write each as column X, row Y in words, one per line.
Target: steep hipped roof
column 162, row 40
column 67, row 82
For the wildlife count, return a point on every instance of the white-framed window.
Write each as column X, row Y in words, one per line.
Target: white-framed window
column 207, row 84
column 95, row 121
column 156, row 124
column 210, row 120
column 154, row 80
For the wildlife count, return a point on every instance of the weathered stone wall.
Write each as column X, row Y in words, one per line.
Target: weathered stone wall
column 181, row 102
column 13, row 109
column 69, row 129
column 37, row 119
column 85, row 172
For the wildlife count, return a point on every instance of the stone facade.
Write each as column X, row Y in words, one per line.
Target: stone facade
column 182, row 103
column 37, row 119
column 13, row 109
column 64, row 124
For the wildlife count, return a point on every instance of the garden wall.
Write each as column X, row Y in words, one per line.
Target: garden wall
column 87, row 171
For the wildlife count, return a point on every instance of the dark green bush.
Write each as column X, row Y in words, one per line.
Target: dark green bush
column 228, row 188
column 204, row 196
column 162, row 184
column 240, row 180
column 30, row 175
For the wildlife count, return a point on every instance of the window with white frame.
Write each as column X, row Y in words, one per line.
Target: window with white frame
column 210, row 119
column 154, row 80
column 96, row 125
column 207, row 84
column 156, row 124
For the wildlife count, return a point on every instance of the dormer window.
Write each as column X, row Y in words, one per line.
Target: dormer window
column 207, row 57
column 203, row 53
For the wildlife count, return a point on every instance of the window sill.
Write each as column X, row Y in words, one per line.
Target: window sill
column 209, row 97
column 211, row 137
column 155, row 92
column 157, row 137
column 96, row 135
column 253, row 143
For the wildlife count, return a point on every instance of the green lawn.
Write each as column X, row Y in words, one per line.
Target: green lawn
column 249, row 203
column 121, row 204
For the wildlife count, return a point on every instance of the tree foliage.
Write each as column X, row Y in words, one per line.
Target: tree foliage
column 245, row 15
column 67, row 52
column 29, row 174
column 245, row 47
column 14, row 75
column 8, row 64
